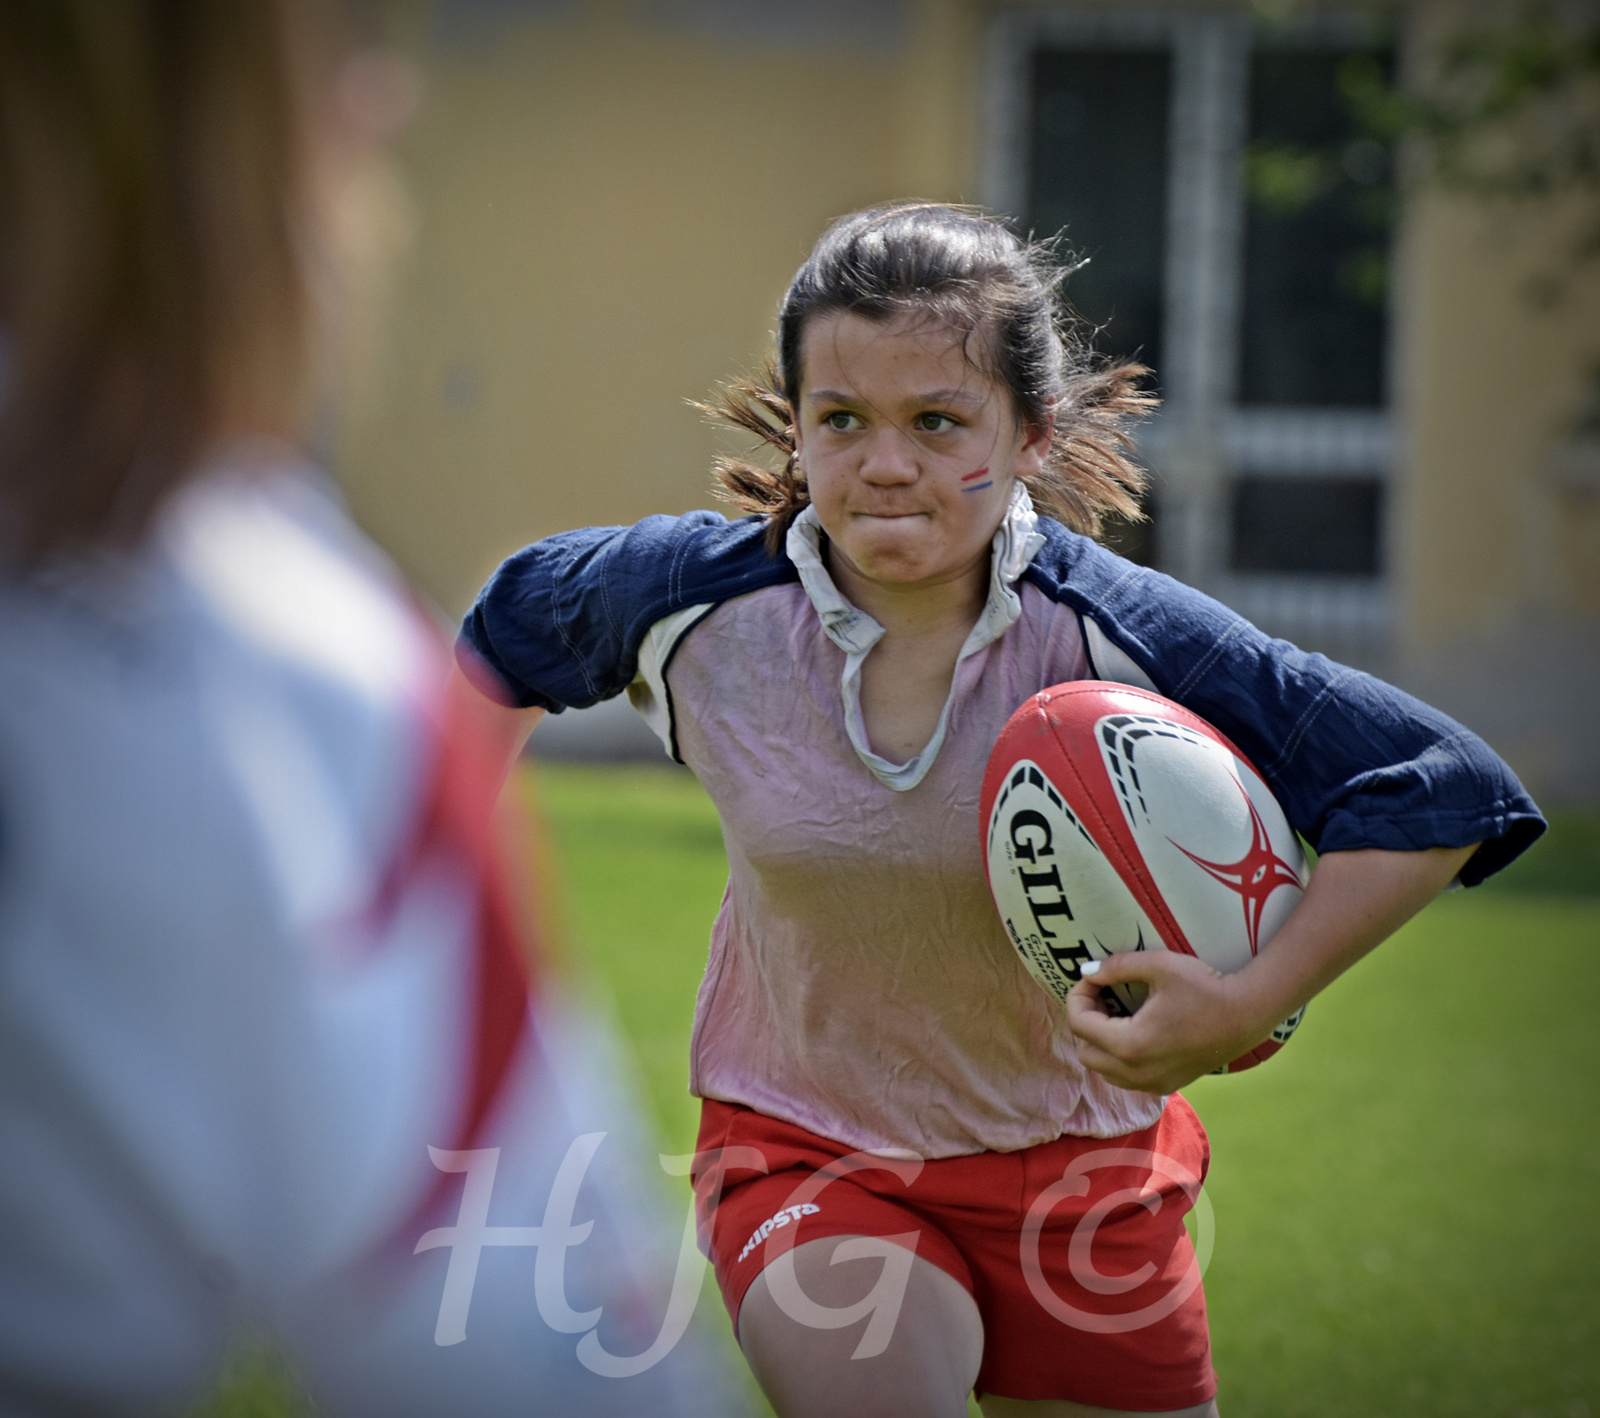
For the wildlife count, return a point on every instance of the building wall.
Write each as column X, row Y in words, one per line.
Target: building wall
column 1497, row 533
column 1498, row 538
column 608, row 197
column 608, row 206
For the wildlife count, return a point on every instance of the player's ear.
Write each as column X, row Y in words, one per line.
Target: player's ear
column 1035, row 449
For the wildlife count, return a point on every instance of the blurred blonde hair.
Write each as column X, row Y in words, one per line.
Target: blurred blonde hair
column 155, row 283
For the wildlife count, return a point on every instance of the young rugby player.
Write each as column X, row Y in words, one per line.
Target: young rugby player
column 880, row 1077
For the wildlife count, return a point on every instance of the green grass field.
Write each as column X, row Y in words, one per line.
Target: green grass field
column 1404, row 1198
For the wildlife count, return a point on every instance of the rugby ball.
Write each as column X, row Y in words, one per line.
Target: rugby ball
column 1117, row 820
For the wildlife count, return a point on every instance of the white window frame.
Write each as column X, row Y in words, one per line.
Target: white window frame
column 1203, row 439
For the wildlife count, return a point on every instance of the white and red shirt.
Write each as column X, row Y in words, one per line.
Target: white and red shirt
column 860, row 984
column 256, row 960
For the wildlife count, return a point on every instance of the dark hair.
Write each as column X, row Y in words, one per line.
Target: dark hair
column 1002, row 294
column 154, row 275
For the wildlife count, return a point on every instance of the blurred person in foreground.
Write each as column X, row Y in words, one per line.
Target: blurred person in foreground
column 268, row 1061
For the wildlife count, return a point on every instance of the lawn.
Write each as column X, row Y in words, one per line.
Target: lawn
column 1404, row 1198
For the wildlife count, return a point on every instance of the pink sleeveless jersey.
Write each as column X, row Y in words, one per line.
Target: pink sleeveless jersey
column 860, row 984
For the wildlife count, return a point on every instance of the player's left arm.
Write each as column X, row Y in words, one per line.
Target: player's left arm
column 1196, row 1019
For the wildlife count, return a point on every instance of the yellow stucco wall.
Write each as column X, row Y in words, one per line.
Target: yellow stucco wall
column 606, row 211
column 606, row 206
column 1494, row 524
column 606, row 215
column 1496, row 532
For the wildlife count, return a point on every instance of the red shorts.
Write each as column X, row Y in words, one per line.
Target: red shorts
column 1075, row 1251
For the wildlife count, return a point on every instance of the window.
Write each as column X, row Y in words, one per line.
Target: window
column 1326, row 526
column 1237, row 224
column 1097, row 166
column 1317, row 216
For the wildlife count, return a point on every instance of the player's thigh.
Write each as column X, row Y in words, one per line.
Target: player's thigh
column 913, row 1351
column 994, row 1407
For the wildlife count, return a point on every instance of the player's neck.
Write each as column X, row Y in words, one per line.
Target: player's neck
column 932, row 609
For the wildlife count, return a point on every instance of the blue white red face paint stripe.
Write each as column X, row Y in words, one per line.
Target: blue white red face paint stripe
column 970, row 483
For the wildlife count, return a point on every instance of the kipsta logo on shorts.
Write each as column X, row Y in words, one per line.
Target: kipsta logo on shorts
column 783, row 1218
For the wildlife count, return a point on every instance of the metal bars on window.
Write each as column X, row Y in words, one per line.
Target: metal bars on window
column 1232, row 481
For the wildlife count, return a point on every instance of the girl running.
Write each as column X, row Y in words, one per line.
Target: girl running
column 919, row 1176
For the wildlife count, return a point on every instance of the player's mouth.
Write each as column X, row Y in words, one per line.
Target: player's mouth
column 889, row 516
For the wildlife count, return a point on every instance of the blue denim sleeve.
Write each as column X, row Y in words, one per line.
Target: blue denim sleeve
column 1353, row 761
column 560, row 624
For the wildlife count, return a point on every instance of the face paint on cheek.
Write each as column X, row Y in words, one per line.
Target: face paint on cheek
column 970, row 483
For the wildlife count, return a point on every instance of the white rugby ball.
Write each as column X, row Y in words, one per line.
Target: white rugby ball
column 1116, row 820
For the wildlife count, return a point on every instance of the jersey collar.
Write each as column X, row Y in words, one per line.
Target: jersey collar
column 1016, row 542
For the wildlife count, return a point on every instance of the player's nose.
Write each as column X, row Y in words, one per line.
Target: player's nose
column 888, row 458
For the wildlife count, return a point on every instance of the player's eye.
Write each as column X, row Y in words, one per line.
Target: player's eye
column 842, row 420
column 934, row 423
